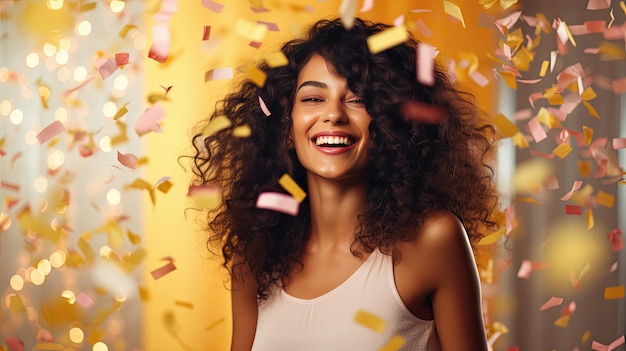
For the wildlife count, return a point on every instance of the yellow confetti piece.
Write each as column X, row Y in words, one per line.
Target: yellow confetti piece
column 622, row 5
column 292, row 187
column 86, row 249
column 44, row 95
column 165, row 186
column 395, row 343
column 612, row 50
column 215, row 324
column 16, row 305
column 126, row 29
column 589, row 217
column 530, row 200
column 492, row 238
column 250, row 30
column 57, row 311
column 588, row 94
column 370, row 321
column 562, row 321
column 121, row 112
column 584, row 168
column 509, row 79
column 585, row 337
column 522, row 59
column 216, row 124
column 546, row 118
column 505, row 125
column 544, row 68
column 556, row 99
column 243, row 131
column 454, row 11
column 256, row 3
column 531, row 175
column 52, row 346
column 605, row 199
column 186, row 304
column 614, row 292
column 133, row 238
column 28, row 221
column 387, row 38
column 256, row 75
column 588, row 134
column 562, row 150
column 520, row 141
column 276, row 59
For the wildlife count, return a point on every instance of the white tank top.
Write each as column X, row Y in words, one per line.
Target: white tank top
column 326, row 323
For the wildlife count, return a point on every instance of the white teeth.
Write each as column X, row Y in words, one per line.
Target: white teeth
column 330, row 140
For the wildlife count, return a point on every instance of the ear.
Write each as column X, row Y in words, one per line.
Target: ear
column 290, row 144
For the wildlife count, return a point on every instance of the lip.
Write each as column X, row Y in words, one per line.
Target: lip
column 334, row 150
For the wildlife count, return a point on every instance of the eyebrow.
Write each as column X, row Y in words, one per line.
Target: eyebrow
column 312, row 83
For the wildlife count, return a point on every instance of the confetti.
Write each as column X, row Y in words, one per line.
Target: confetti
column 213, row 6
column 576, row 186
column 367, row 5
column 272, row 27
column 562, row 150
column 573, row 210
column 614, row 292
column 605, row 199
column 149, row 120
column 49, row 132
column 536, row 130
column 616, row 238
column 454, row 11
column 165, row 269
column 347, row 11
column 276, row 59
column 292, row 187
column 14, row 344
column 278, row 202
column 216, row 124
column 527, row 267
column 505, row 125
column 395, row 343
column 218, row 74
column 250, row 30
column 205, row 196
column 598, row 4
column 264, row 108
column 128, row 160
column 601, row 347
column 243, row 131
column 206, row 33
column 370, row 321
column 422, row 113
column 160, row 48
column 386, row 39
column 256, row 75
column 552, row 302
column 425, row 64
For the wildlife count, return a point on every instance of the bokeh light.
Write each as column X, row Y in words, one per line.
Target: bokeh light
column 17, row 282
column 57, row 258
column 37, row 277
column 120, row 83
column 69, row 296
column 56, row 158
column 62, row 57
column 49, row 49
column 16, row 116
column 41, row 184
column 64, row 74
column 55, row 4
column 61, row 114
column 117, row 6
column 83, row 28
column 32, row 60
column 5, row 107
column 114, row 197
column 109, row 109
column 80, row 73
column 76, row 335
column 105, row 143
column 44, row 266
column 100, row 346
column 30, row 137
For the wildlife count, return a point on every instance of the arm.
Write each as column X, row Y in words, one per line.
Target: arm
column 244, row 308
column 456, row 299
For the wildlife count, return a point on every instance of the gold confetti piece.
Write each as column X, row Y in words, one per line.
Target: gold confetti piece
column 509, row 79
column 87, row 7
column 26, row 220
column 387, row 38
column 505, row 125
column 522, row 59
column 520, row 141
column 562, row 321
column 243, row 131
column 52, row 346
column 16, row 305
column 590, row 219
column 216, row 124
column 121, row 112
column 492, row 238
column 614, row 292
column 544, row 68
column 205, row 196
column 164, row 185
column 56, row 311
column 250, row 30
column 276, row 59
column 622, row 5
column 44, row 95
column 591, row 110
column 256, row 75
column 605, row 199
column 395, row 343
column 186, row 304
column 562, row 150
column 126, row 29
column 292, row 187
column 454, row 11
column 370, row 321
column 585, row 337
column 215, row 324
column 588, row 134
column 529, row 200
column 584, row 168
column 85, row 248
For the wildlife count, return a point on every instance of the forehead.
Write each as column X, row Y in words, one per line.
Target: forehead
column 315, row 68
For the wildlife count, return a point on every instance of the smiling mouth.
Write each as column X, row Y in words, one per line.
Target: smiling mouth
column 333, row 141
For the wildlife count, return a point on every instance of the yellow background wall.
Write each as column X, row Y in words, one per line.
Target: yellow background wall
column 190, row 308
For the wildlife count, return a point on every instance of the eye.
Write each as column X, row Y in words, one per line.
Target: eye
column 358, row 101
column 311, row 99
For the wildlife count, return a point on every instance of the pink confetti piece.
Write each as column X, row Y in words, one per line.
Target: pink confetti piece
column 122, row 58
column 573, row 210
column 128, row 160
column 77, row 87
column 552, row 302
column 509, row 21
column 49, row 132
column 160, row 48
column 9, row 186
column 84, row 300
column 213, row 6
column 367, row 5
column 422, row 113
column 259, row 9
column 264, row 108
column 619, row 143
column 14, row 344
column 511, row 221
column 616, row 238
column 206, row 33
column 576, row 186
column 423, row 28
column 614, row 267
column 595, row 26
column 278, row 202
column 569, row 309
column 527, row 267
column 207, row 189
column 479, row 79
column 255, row 44
column 425, row 64
column 218, row 74
column 168, row 8
column 552, row 183
column 165, row 269
column 149, row 120
column 601, row 347
column 598, row 4
column 107, row 68
column 272, row 27
column 536, row 130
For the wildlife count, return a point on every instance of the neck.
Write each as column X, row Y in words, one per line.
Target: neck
column 335, row 206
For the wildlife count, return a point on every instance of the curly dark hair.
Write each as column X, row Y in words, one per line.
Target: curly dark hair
column 414, row 168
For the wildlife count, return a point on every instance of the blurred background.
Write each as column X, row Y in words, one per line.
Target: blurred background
column 100, row 248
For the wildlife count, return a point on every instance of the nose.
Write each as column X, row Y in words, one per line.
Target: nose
column 335, row 113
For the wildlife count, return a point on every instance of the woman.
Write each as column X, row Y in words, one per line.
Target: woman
column 393, row 205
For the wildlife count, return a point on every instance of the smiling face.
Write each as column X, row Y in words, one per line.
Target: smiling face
column 330, row 124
